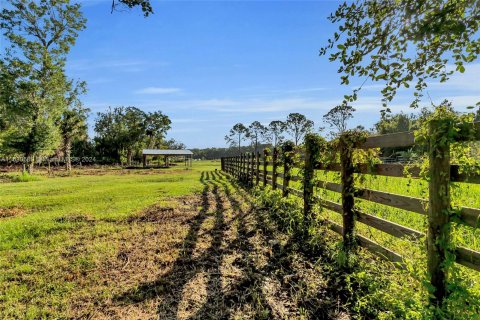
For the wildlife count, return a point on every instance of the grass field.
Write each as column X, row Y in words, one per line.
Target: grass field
column 54, row 230
column 180, row 244
column 150, row 244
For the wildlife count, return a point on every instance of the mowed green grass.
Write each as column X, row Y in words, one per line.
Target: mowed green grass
column 54, row 216
column 112, row 195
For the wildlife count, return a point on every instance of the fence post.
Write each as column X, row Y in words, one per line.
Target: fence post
column 242, row 167
column 257, row 168
column 240, row 159
column 274, row 168
column 438, row 237
column 252, row 169
column 222, row 164
column 346, row 145
column 238, row 167
column 235, row 166
column 308, row 181
column 265, row 164
column 287, row 154
column 246, row 167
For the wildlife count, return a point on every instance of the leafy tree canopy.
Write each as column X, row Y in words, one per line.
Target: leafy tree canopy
column 236, row 135
column 39, row 35
column 145, row 5
column 298, row 125
column 125, row 130
column 404, row 42
column 275, row 132
column 256, row 133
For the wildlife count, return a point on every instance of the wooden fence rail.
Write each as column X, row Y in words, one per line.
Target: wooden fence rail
column 437, row 207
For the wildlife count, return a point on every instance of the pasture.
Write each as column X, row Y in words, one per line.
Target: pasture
column 63, row 239
column 183, row 243
column 149, row 244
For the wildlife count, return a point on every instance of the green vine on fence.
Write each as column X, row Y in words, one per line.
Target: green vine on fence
column 443, row 130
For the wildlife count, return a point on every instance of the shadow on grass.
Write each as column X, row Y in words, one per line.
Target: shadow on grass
column 324, row 304
column 171, row 284
column 245, row 291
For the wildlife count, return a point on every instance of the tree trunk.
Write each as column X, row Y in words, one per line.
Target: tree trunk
column 67, row 145
column 31, row 163
column 129, row 157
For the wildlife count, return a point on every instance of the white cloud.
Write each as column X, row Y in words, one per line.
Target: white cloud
column 121, row 65
column 467, row 81
column 189, row 120
column 461, row 102
column 157, row 90
column 305, row 90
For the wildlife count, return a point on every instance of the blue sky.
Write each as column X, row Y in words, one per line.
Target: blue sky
column 211, row 64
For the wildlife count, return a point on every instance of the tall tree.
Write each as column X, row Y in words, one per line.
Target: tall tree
column 404, row 42
column 156, row 125
column 73, row 124
column 236, row 135
column 337, row 117
column 175, row 145
column 39, row 36
column 256, row 133
column 298, row 125
column 399, row 122
column 107, row 131
column 122, row 131
column 132, row 124
column 275, row 131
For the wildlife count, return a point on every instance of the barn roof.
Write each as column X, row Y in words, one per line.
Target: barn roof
column 167, row 152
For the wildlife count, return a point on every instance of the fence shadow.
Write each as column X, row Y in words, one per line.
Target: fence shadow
column 324, row 304
column 250, row 235
column 170, row 285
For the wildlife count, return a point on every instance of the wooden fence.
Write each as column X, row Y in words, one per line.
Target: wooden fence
column 254, row 169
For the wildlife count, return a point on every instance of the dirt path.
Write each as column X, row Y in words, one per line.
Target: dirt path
column 211, row 257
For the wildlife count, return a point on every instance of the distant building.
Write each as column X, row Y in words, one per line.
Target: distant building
column 167, row 154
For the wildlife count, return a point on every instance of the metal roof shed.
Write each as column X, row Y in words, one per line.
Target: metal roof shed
column 166, row 153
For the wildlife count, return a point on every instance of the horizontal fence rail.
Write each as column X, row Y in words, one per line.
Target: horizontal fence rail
column 267, row 172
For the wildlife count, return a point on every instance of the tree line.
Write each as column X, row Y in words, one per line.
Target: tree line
column 41, row 113
column 217, row 153
column 259, row 136
column 296, row 126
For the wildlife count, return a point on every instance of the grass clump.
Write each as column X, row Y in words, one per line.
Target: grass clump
column 25, row 177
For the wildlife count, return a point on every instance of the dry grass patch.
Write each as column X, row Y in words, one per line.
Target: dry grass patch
column 12, row 212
